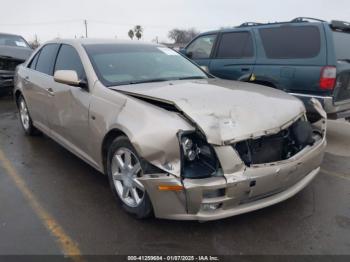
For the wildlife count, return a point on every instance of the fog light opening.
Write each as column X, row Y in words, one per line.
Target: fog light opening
column 211, row 207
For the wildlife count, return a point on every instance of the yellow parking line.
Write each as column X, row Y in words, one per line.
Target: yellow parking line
column 327, row 172
column 66, row 244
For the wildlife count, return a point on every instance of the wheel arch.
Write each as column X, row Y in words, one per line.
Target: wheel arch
column 107, row 140
column 18, row 93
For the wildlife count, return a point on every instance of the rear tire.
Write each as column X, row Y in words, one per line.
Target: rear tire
column 124, row 166
column 25, row 119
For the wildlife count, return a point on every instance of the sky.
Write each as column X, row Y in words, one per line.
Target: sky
column 113, row 18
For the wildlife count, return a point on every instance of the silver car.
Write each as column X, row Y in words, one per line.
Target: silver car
column 173, row 140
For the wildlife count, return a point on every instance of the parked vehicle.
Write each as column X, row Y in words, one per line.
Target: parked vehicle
column 172, row 139
column 14, row 50
column 306, row 59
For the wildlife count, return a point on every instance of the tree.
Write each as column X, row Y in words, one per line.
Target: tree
column 131, row 34
column 181, row 36
column 35, row 43
column 138, row 30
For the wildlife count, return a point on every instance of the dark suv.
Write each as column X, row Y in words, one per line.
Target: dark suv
column 305, row 57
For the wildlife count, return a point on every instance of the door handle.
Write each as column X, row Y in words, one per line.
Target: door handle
column 50, row 91
column 245, row 69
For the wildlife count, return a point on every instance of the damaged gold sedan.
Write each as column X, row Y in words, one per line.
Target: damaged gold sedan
column 174, row 141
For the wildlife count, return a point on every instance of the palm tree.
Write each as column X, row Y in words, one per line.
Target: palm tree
column 131, row 34
column 138, row 31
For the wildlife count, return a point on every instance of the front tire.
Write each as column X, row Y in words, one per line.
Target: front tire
column 24, row 116
column 124, row 167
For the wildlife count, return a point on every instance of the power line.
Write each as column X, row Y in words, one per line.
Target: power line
column 43, row 23
column 114, row 23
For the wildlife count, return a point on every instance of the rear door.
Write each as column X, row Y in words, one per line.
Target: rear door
column 291, row 56
column 200, row 50
column 234, row 57
column 37, row 85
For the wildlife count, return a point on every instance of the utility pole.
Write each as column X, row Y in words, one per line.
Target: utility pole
column 86, row 30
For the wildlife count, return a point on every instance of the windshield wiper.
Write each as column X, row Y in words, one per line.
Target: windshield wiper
column 149, row 81
column 153, row 80
column 192, row 77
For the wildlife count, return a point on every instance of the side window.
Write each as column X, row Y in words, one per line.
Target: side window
column 47, row 58
column 342, row 43
column 291, row 42
column 32, row 63
column 236, row 45
column 68, row 59
column 201, row 47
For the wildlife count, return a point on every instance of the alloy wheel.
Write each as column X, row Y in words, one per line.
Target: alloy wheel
column 126, row 169
column 24, row 114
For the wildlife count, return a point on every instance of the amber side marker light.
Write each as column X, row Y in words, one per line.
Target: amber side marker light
column 170, row 188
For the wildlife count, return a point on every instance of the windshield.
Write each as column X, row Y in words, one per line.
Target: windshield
column 118, row 64
column 12, row 40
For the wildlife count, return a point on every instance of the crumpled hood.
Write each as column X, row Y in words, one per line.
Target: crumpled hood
column 13, row 52
column 225, row 111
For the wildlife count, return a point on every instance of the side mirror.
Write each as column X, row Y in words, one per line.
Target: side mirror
column 182, row 51
column 186, row 53
column 69, row 77
column 189, row 54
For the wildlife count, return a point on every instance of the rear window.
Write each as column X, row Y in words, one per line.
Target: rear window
column 291, row 42
column 342, row 45
column 32, row 64
column 47, row 58
column 235, row 45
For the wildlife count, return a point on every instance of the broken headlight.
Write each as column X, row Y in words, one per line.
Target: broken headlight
column 198, row 158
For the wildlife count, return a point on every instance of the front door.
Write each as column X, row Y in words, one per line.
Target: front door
column 200, row 49
column 69, row 114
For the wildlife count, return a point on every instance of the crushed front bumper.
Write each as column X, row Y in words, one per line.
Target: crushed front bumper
column 249, row 189
column 238, row 188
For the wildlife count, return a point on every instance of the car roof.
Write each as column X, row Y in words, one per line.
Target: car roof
column 250, row 25
column 334, row 24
